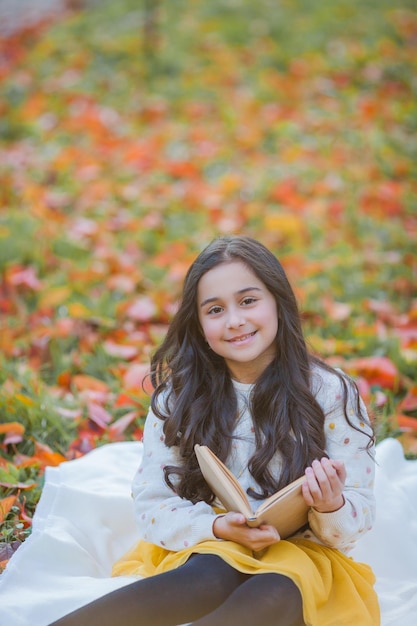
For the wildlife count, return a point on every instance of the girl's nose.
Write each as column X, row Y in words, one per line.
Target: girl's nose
column 235, row 319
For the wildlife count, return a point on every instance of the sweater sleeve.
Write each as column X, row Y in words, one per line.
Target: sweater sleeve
column 342, row 528
column 164, row 518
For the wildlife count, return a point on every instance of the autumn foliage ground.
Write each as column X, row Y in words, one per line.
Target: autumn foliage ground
column 125, row 149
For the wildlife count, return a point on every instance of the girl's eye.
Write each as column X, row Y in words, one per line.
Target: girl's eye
column 214, row 310
column 248, row 300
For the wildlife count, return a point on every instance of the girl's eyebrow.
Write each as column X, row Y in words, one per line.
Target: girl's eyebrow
column 216, row 298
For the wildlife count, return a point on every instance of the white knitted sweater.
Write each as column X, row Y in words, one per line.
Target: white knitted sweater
column 167, row 520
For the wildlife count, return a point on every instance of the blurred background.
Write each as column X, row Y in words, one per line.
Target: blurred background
column 132, row 133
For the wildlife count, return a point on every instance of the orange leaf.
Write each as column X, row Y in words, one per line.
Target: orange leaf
column 406, row 422
column 82, row 382
column 12, row 428
column 5, row 506
column 124, row 400
column 64, row 379
column 46, row 455
column 13, row 432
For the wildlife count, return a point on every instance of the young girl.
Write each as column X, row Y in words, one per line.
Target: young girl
column 234, row 373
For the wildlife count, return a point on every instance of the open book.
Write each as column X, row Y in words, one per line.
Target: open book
column 286, row 509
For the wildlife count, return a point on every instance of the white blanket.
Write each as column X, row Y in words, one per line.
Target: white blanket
column 84, row 522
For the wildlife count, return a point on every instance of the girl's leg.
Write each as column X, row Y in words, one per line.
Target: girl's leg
column 267, row 599
column 176, row 597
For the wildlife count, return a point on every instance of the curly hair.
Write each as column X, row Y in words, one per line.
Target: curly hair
column 199, row 401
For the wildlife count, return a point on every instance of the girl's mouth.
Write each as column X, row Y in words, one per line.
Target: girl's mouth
column 242, row 337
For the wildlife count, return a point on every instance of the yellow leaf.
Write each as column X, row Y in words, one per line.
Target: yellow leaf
column 54, row 296
column 285, row 225
column 24, row 399
column 77, row 309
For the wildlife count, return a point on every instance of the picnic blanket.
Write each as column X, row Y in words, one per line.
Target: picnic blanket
column 84, row 522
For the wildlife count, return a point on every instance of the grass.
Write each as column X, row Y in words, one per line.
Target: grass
column 121, row 157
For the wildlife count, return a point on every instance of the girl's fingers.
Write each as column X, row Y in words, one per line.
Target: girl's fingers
column 340, row 470
column 324, row 482
column 232, row 526
column 328, row 472
column 330, row 481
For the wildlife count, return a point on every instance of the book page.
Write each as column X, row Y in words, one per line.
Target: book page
column 286, row 510
column 285, row 492
column 222, row 482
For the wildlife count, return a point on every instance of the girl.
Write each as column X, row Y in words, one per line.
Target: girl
column 234, row 373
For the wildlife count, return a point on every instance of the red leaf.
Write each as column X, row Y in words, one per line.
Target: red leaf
column 364, row 389
column 18, row 485
column 24, row 277
column 120, row 350
column 124, row 399
column 142, row 310
column 135, row 375
column 98, row 414
column 71, row 414
column 377, row 370
column 119, row 426
column 85, row 443
column 409, row 402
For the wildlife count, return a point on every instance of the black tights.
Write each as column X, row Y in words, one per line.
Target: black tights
column 205, row 591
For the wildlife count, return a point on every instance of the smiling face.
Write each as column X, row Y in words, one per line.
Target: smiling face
column 238, row 317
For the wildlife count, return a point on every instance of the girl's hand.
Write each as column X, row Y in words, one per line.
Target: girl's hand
column 324, row 485
column 233, row 527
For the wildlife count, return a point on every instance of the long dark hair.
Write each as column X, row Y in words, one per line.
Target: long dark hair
column 194, row 393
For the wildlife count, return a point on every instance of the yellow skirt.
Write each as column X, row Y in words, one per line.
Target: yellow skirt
column 336, row 590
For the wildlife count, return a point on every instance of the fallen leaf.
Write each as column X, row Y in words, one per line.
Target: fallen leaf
column 98, row 414
column 377, row 370
column 5, row 506
column 405, row 422
column 135, row 375
column 119, row 426
column 46, row 456
column 120, row 350
column 409, row 402
column 84, row 382
column 15, row 428
column 142, row 309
